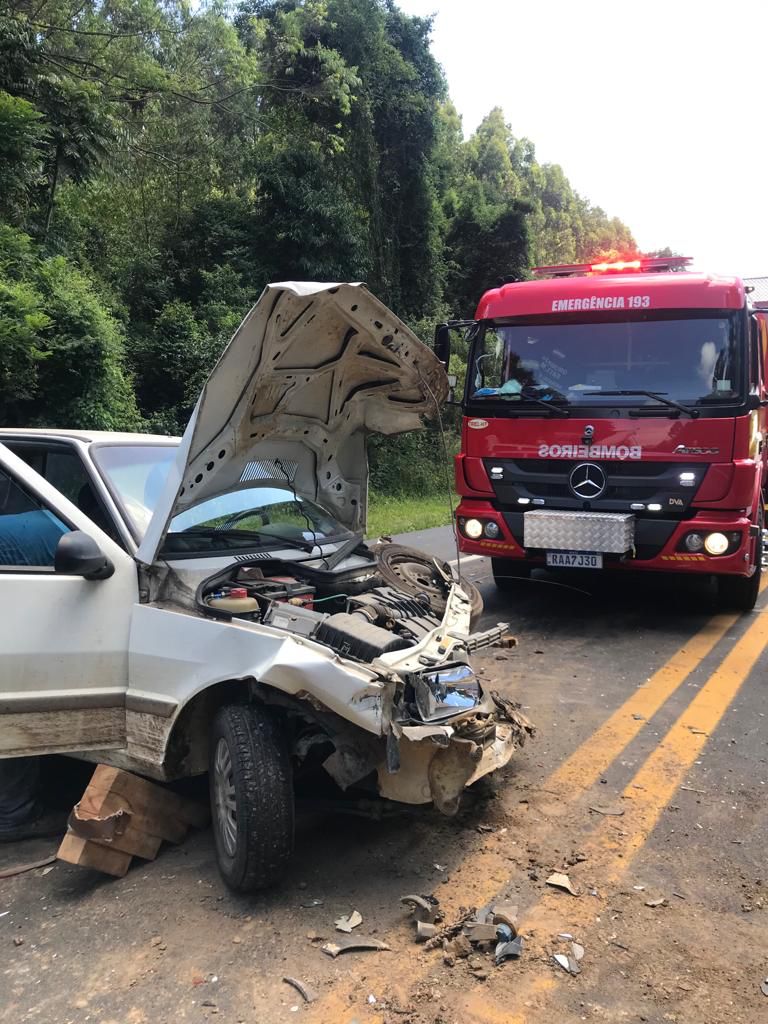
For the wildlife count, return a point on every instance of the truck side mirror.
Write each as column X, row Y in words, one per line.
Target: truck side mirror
column 443, row 344
column 77, row 554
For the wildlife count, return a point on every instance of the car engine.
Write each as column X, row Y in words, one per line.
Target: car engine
column 353, row 611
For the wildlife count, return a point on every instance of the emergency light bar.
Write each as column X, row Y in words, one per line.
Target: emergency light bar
column 643, row 264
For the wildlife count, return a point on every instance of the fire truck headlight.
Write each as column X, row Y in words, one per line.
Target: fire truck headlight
column 716, row 543
column 492, row 530
column 473, row 529
column 694, row 542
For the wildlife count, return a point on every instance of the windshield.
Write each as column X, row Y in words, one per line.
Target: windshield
column 258, row 516
column 690, row 358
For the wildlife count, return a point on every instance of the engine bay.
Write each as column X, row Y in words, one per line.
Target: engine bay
column 355, row 612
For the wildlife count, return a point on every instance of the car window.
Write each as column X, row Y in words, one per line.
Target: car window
column 29, row 531
column 64, row 469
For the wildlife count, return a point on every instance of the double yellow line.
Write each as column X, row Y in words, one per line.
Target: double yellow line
column 480, row 876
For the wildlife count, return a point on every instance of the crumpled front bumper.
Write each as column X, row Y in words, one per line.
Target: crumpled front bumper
column 435, row 763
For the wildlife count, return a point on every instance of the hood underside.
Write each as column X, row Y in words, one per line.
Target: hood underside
column 311, row 370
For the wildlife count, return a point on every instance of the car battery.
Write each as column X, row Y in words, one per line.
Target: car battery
column 286, row 589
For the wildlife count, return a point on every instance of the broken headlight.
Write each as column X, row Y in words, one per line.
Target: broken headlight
column 446, row 692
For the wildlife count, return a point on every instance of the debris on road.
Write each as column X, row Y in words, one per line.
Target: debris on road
column 764, row 987
column 425, row 931
column 310, row 904
column 20, row 869
column 558, row 880
column 307, row 994
column 568, row 964
column 577, row 950
column 509, row 950
column 346, row 924
column 506, row 913
column 659, row 901
column 423, row 908
column 353, row 945
column 612, row 812
column 122, row 816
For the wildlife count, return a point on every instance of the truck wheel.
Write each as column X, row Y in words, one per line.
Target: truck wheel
column 506, row 572
column 252, row 805
column 740, row 593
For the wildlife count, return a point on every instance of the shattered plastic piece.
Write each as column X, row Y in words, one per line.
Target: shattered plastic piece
column 560, row 881
column 613, row 812
column 764, row 987
column 568, row 963
column 307, row 994
column 423, row 908
column 346, row 924
column 578, row 950
column 476, row 931
column 504, row 933
column 371, row 1000
column 440, row 867
column 660, row 901
column 311, row 903
column 565, row 936
column 351, row 945
column 639, row 888
column 509, row 950
column 425, row 931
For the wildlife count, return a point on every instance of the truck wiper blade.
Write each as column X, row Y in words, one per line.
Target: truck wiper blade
column 659, row 396
column 554, row 407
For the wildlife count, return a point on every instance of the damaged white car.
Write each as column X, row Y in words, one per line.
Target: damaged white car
column 209, row 605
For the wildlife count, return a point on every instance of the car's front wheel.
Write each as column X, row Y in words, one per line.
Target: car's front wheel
column 252, row 804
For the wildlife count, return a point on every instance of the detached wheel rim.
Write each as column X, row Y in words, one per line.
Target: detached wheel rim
column 418, row 575
column 224, row 797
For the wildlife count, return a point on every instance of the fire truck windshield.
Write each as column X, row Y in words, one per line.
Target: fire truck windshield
column 693, row 357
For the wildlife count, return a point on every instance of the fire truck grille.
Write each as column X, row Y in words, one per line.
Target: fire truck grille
column 546, row 482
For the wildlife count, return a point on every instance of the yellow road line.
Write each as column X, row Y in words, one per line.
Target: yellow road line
column 587, row 763
column 649, row 792
column 575, row 777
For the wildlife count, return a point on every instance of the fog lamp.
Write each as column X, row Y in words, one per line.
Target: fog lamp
column 492, row 530
column 694, row 542
column 716, row 543
column 473, row 528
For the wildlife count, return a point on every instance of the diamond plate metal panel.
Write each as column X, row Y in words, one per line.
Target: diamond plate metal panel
column 610, row 533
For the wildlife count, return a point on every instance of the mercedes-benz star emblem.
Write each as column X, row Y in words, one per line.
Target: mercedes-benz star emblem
column 587, row 481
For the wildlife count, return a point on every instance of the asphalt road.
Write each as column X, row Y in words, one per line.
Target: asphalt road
column 645, row 783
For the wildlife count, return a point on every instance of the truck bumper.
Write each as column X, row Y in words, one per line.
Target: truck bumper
column 658, row 542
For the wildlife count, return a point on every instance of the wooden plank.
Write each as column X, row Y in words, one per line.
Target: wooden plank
column 148, row 794
column 100, row 800
column 86, row 854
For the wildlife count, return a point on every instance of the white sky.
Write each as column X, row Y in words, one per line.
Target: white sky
column 657, row 111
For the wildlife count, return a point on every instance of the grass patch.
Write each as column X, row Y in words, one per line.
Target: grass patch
column 389, row 515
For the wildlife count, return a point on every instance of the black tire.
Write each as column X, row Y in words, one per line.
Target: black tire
column 252, row 803
column 740, row 593
column 507, row 571
column 413, row 572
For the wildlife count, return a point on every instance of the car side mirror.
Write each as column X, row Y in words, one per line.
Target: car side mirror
column 443, row 344
column 77, row 554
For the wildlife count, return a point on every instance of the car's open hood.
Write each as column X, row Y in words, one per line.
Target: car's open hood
column 311, row 370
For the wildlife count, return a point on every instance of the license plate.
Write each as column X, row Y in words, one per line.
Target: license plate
column 574, row 560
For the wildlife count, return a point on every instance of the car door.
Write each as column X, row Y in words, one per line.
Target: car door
column 63, row 638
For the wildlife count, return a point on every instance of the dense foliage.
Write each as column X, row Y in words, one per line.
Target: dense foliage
column 159, row 165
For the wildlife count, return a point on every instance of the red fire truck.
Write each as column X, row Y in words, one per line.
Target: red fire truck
column 614, row 419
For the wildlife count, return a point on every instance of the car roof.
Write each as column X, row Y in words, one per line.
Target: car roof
column 86, row 436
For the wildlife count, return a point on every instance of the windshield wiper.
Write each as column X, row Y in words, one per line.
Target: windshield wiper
column 659, row 396
column 211, row 533
column 526, row 396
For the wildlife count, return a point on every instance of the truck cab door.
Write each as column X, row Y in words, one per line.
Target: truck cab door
column 63, row 638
